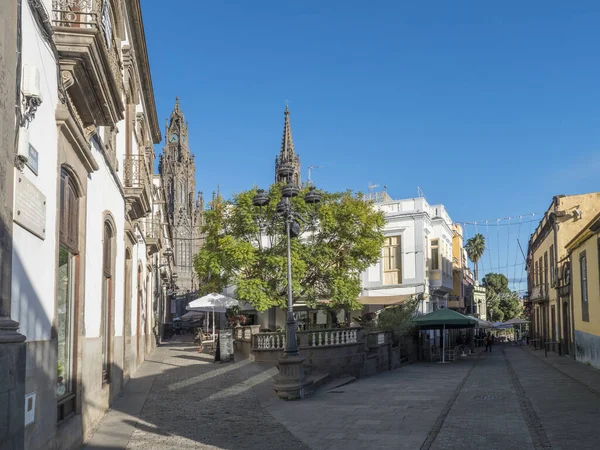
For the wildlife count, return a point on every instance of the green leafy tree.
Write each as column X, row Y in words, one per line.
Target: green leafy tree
column 327, row 260
column 475, row 247
column 496, row 283
column 502, row 303
column 398, row 319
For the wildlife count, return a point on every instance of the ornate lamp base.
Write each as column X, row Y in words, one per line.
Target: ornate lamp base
column 291, row 383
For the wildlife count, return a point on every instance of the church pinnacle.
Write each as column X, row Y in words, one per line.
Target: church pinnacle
column 287, row 154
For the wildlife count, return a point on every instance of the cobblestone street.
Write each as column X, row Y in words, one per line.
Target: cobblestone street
column 511, row 398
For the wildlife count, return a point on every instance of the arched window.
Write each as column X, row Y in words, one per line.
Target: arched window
column 66, row 291
column 107, row 297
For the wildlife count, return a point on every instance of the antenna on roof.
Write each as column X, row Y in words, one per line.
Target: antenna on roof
column 310, row 168
column 420, row 193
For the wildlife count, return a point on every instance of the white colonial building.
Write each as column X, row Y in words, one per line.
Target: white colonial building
column 90, row 266
column 416, row 257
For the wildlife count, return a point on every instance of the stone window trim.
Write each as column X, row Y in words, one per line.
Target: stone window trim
column 107, row 327
column 392, row 260
column 70, row 198
column 546, row 272
column 585, row 312
column 110, row 146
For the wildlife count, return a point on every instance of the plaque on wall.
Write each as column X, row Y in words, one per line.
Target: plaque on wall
column 30, row 206
column 226, row 345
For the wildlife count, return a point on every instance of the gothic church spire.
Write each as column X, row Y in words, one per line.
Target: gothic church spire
column 287, row 153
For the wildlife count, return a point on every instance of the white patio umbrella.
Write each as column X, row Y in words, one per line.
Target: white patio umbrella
column 517, row 321
column 212, row 302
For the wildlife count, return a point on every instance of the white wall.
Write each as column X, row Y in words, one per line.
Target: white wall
column 34, row 260
column 103, row 195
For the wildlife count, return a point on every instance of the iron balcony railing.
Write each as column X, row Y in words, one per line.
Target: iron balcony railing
column 153, row 229
column 135, row 173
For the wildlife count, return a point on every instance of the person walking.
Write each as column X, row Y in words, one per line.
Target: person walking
column 485, row 342
column 490, row 341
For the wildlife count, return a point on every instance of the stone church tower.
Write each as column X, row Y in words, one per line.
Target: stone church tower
column 178, row 172
column 286, row 154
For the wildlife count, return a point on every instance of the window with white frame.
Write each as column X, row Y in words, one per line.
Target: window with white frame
column 392, row 260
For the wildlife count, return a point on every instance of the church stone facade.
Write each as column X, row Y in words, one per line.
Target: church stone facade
column 287, row 156
column 177, row 169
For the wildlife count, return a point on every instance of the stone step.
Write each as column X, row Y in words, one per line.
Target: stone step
column 318, row 379
column 337, row 383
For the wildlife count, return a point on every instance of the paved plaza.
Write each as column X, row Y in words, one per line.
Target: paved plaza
column 511, row 398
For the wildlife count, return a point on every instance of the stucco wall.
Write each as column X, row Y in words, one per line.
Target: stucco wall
column 592, row 326
column 587, row 348
column 34, row 258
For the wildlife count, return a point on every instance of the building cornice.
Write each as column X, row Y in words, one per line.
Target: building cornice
column 589, row 230
column 143, row 63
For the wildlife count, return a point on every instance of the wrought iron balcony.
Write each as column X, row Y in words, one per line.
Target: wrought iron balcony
column 137, row 185
column 153, row 235
column 91, row 68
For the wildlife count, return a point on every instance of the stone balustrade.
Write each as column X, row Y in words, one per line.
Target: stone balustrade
column 268, row 341
column 330, row 338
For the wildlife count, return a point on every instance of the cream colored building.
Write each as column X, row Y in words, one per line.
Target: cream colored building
column 549, row 281
column 416, row 257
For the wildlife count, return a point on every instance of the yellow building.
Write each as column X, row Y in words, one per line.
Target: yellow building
column 456, row 299
column 461, row 296
column 584, row 255
column 548, row 268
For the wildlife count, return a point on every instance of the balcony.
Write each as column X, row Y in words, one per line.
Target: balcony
column 539, row 294
column 91, row 69
column 153, row 235
column 137, row 186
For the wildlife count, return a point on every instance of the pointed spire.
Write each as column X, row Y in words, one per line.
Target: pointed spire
column 177, row 103
column 287, row 143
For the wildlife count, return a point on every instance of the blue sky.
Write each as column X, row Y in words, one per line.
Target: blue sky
column 490, row 107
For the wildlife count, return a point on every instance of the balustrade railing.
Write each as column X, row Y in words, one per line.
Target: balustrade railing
column 329, row 338
column 268, row 341
column 308, row 339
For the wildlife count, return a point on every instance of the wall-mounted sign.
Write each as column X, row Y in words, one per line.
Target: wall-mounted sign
column 30, row 206
column 32, row 159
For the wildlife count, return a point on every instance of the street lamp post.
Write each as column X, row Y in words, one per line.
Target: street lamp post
column 291, row 382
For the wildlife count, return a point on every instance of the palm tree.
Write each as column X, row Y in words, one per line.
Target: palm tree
column 475, row 248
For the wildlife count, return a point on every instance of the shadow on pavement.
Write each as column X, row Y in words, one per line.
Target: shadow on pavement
column 182, row 401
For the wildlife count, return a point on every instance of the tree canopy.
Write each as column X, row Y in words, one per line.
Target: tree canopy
column 502, row 303
column 327, row 259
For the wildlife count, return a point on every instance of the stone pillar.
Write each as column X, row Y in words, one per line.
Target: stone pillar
column 12, row 346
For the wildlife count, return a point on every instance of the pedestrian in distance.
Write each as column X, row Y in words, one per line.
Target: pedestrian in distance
column 490, row 341
column 485, row 342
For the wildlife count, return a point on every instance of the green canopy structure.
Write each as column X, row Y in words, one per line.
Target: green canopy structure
column 442, row 319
